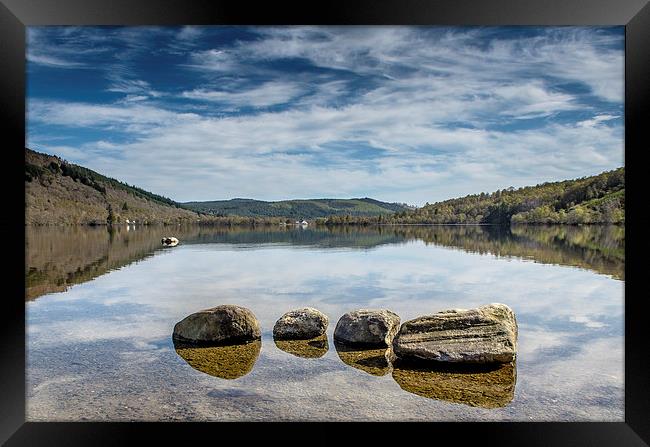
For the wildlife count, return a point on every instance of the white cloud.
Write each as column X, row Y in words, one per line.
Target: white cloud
column 264, row 95
column 52, row 61
column 135, row 98
column 252, row 155
column 572, row 54
column 596, row 120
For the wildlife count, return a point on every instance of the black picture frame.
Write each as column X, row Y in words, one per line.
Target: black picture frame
column 15, row 15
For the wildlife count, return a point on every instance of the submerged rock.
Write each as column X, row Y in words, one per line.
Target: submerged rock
column 484, row 335
column 376, row 362
column 225, row 362
column 301, row 324
column 221, row 325
column 308, row 349
column 367, row 327
column 486, row 386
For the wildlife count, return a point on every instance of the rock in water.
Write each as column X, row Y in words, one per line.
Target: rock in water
column 225, row 362
column 484, row 335
column 222, row 325
column 367, row 327
column 301, row 324
column 487, row 385
column 376, row 362
column 169, row 241
column 308, row 349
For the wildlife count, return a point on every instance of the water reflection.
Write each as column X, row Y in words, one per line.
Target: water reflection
column 310, row 349
column 105, row 345
column 225, row 362
column 376, row 362
column 58, row 257
column 489, row 386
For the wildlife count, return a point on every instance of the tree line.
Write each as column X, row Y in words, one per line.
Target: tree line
column 588, row 200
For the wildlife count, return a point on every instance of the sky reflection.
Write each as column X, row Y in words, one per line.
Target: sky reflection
column 570, row 355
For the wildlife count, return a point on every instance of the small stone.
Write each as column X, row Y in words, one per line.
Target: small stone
column 484, row 335
column 367, row 327
column 301, row 324
column 221, row 325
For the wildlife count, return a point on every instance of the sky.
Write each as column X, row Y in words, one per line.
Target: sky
column 396, row 113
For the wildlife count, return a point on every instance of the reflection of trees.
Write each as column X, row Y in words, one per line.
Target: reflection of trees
column 599, row 248
column 595, row 247
column 58, row 257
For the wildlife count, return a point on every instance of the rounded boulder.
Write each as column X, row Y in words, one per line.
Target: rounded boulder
column 301, row 324
column 367, row 327
column 222, row 325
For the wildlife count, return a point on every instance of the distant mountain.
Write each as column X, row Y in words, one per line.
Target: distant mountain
column 62, row 193
column 588, row 200
column 297, row 209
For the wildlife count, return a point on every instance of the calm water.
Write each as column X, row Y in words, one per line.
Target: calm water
column 101, row 307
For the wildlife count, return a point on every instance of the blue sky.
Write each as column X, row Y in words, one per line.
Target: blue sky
column 405, row 114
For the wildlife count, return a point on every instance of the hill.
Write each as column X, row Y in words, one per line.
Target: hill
column 62, row 193
column 297, row 209
column 588, row 200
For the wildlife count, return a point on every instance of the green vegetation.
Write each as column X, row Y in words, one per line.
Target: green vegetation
column 61, row 193
column 296, row 209
column 588, row 200
column 33, row 172
column 92, row 179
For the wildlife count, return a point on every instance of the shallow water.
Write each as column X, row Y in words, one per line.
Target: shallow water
column 101, row 307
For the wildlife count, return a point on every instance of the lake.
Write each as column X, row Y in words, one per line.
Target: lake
column 101, row 306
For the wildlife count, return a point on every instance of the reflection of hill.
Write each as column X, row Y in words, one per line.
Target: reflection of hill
column 58, row 257
column 594, row 247
column 343, row 237
column 599, row 248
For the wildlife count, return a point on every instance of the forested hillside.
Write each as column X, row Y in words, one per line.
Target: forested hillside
column 588, row 200
column 58, row 192
column 62, row 193
column 297, row 209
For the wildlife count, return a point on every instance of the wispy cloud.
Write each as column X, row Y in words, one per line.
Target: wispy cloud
column 52, row 61
column 264, row 95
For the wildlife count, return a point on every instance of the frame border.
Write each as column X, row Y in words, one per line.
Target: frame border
column 15, row 15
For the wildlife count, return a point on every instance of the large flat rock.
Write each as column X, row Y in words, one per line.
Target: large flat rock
column 487, row 334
